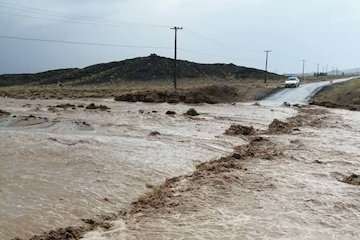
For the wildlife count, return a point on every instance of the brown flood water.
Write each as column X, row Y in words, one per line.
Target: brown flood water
column 58, row 166
column 298, row 195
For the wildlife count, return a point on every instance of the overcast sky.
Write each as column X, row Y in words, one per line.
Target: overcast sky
column 231, row 31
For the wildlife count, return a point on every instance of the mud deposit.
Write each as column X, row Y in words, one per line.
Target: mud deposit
column 210, row 94
column 329, row 104
column 59, row 167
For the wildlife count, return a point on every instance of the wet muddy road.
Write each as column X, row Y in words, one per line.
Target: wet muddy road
column 302, row 94
column 59, row 165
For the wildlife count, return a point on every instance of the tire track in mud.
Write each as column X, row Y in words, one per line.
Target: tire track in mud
column 173, row 194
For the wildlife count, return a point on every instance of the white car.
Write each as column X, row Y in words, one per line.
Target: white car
column 292, row 82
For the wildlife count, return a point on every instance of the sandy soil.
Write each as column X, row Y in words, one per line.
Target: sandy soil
column 61, row 164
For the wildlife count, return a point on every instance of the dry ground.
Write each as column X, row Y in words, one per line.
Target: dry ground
column 247, row 89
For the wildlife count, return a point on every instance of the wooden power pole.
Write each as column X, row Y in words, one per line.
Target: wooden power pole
column 303, row 69
column 175, row 55
column 266, row 65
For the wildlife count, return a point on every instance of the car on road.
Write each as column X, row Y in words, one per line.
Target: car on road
column 292, row 82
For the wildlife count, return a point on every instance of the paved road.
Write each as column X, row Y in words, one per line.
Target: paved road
column 300, row 95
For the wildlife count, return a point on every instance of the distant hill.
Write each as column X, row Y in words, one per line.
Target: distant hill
column 148, row 68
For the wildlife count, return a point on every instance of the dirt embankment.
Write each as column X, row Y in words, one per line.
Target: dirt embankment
column 343, row 95
column 247, row 90
column 209, row 94
column 172, row 194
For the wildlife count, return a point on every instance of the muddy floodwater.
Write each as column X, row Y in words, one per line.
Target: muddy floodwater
column 61, row 163
column 300, row 194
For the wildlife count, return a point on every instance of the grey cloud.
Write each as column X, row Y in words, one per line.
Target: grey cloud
column 323, row 31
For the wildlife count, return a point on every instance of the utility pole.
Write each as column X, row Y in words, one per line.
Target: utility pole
column 318, row 71
column 266, row 65
column 303, row 69
column 175, row 55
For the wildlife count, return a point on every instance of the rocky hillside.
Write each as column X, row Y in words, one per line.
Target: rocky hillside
column 148, row 68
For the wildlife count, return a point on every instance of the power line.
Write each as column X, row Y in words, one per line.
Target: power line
column 36, row 11
column 204, row 37
column 69, row 20
column 81, row 43
column 110, row 45
column 213, row 55
column 78, row 20
column 28, row 7
column 30, row 10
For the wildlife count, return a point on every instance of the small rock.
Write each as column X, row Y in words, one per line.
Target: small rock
column 154, row 133
column 93, row 106
column 353, row 179
column 89, row 221
column 278, row 126
column 170, row 113
column 192, row 112
column 106, row 225
column 150, row 186
column 66, row 106
column 286, row 104
column 236, row 129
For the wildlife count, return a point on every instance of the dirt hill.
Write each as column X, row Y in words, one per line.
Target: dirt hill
column 343, row 95
column 148, row 68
